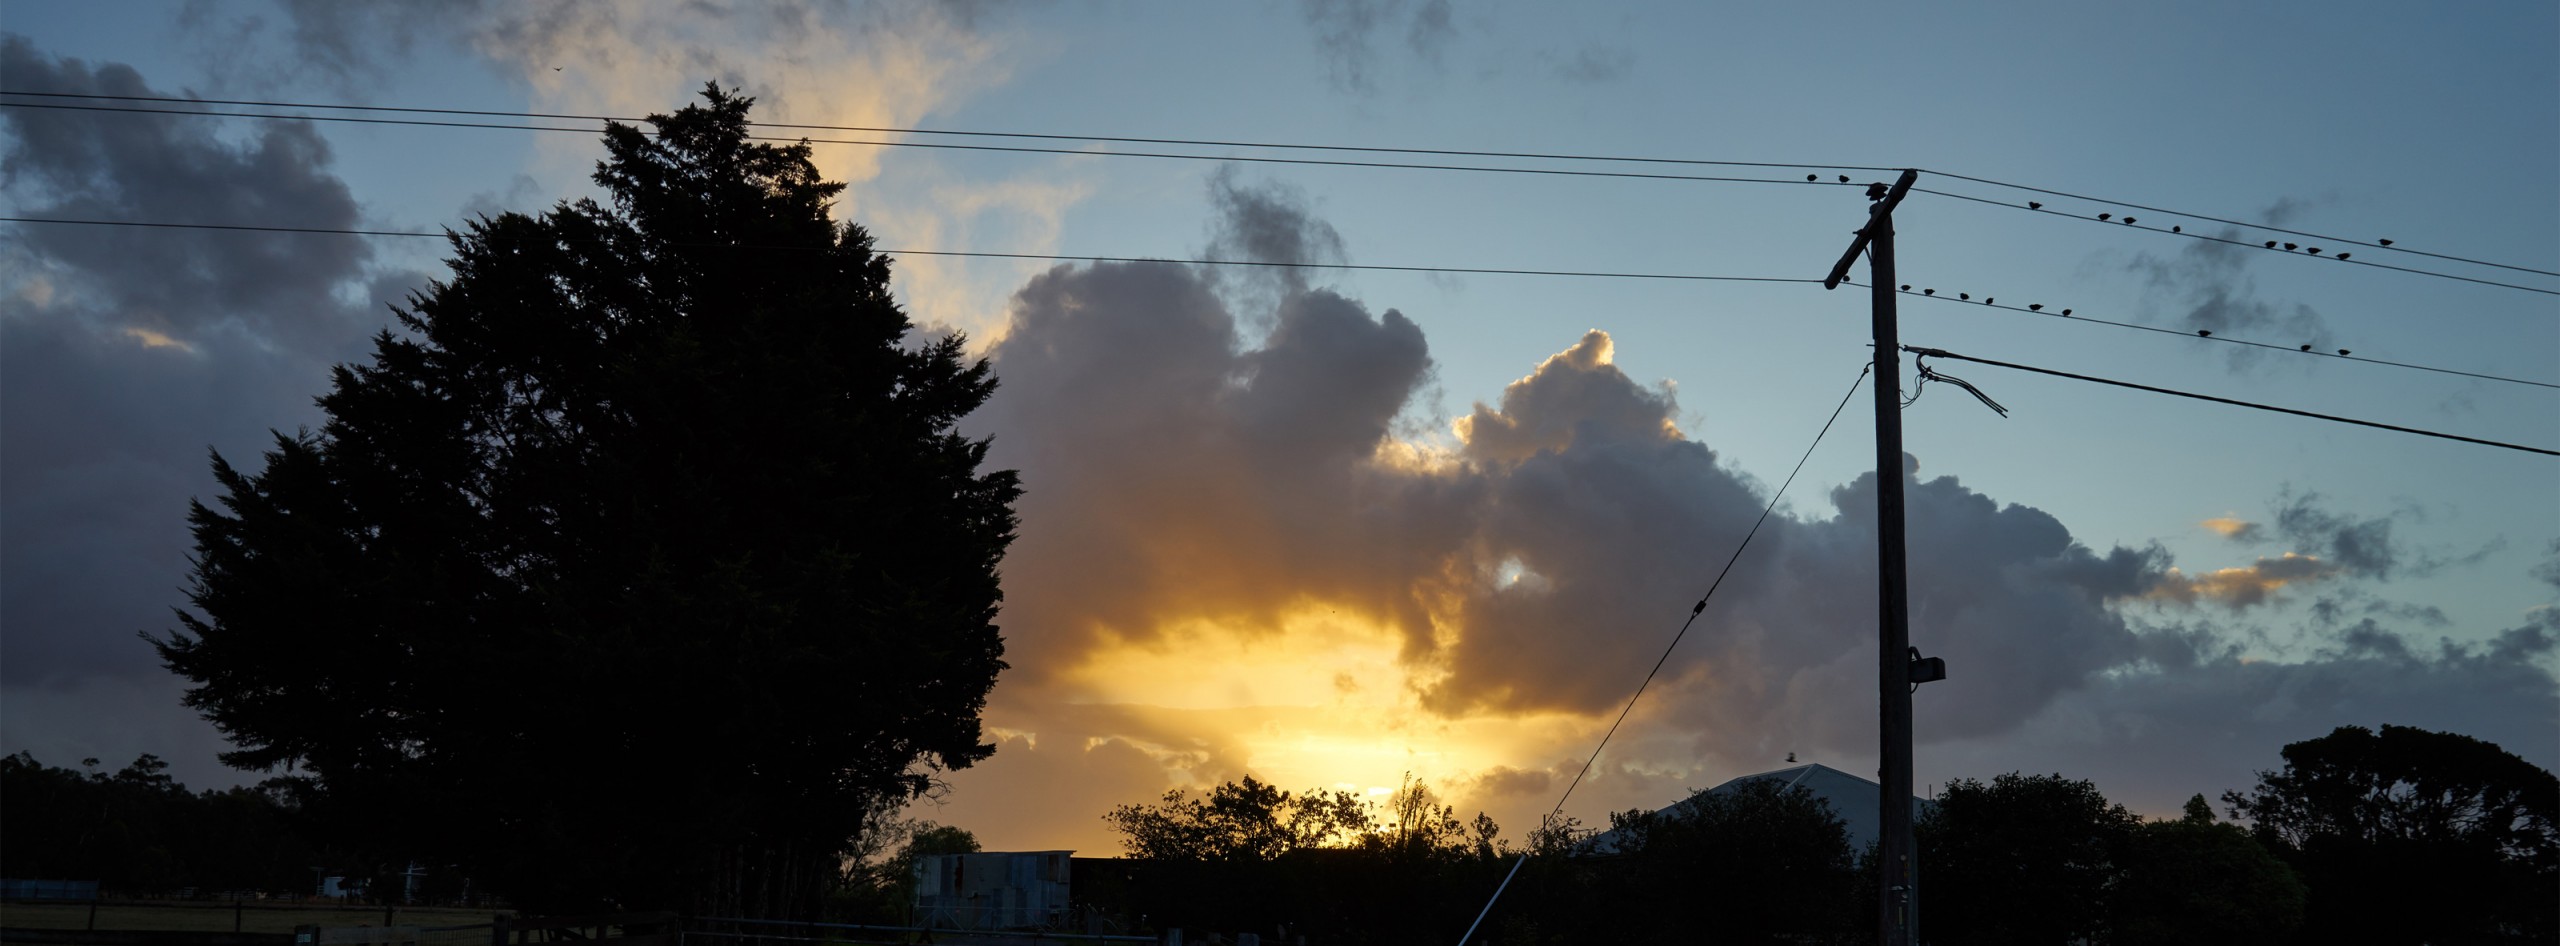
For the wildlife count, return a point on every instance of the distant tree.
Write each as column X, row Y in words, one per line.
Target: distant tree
column 2407, row 835
column 1423, row 828
column 1758, row 862
column 2019, row 859
column 139, row 832
column 639, row 568
column 1248, row 820
column 2194, row 881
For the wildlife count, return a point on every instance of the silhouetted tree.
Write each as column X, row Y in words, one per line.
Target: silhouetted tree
column 2019, row 859
column 639, row 567
column 2195, row 881
column 1248, row 820
column 2409, row 836
column 138, row 831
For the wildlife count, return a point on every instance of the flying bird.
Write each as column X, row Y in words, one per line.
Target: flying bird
column 2106, row 216
column 2035, row 205
column 2383, row 242
column 2035, row 307
column 2201, row 333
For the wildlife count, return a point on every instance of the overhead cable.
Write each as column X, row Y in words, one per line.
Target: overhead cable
column 1060, row 257
column 2258, row 246
column 1942, row 353
column 949, row 146
column 2379, row 244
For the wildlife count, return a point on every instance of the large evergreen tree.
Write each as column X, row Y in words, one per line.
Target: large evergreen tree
column 640, row 568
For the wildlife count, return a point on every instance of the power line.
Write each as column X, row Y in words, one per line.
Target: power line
column 1941, row 353
column 2260, row 246
column 2340, row 355
column 947, row 146
column 1199, row 142
column 1694, row 611
column 1059, row 257
column 2237, row 223
column 1276, row 145
column 1369, row 267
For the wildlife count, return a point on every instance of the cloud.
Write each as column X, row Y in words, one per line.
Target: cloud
column 1235, row 560
column 2208, row 281
column 2237, row 530
column 2243, row 586
column 1593, row 63
column 1348, row 33
column 135, row 352
column 2363, row 546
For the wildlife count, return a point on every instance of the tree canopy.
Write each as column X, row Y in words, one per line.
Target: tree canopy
column 2407, row 835
column 641, row 567
column 2019, row 859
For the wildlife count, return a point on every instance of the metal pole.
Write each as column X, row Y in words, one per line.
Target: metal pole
column 1894, row 893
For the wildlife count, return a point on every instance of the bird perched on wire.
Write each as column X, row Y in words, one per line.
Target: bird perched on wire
column 1964, row 296
column 1844, row 178
column 2344, row 353
column 1987, row 300
column 1928, row 292
column 1906, row 287
column 2383, row 242
column 2177, row 229
column 2271, row 244
column 2106, row 216
column 1813, row 177
column 2306, row 348
column 2315, row 251
column 2289, row 247
column 2345, row 255
column 2128, row 219
column 2035, row 307
column 2066, row 312
column 2202, row 333
column 2035, row 205
column 1876, row 190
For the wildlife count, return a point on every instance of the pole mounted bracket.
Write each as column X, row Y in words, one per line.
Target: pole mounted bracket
column 1882, row 211
column 1927, row 669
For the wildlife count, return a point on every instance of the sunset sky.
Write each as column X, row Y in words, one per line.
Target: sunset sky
column 1329, row 526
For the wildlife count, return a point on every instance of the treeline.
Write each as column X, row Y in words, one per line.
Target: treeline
column 139, row 832
column 2396, row 836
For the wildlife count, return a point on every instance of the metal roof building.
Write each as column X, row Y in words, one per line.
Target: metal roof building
column 1853, row 799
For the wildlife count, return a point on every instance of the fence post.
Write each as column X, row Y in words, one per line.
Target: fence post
column 93, row 911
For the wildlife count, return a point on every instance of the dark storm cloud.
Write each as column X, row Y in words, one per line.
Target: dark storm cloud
column 128, row 353
column 1178, row 474
column 2363, row 545
column 1349, row 34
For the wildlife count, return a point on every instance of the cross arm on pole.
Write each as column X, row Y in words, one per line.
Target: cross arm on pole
column 1883, row 209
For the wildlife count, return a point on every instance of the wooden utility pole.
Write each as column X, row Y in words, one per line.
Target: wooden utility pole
column 1895, row 897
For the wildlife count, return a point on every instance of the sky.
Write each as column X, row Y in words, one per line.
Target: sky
column 1332, row 527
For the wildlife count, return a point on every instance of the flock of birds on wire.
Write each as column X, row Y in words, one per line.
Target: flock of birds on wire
column 1876, row 191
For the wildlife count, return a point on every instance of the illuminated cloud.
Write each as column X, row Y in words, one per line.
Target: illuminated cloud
column 2235, row 529
column 2241, row 587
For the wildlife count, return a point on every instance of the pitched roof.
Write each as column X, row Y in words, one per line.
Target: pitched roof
column 1855, row 800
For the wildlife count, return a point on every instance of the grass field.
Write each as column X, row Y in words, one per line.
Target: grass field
column 254, row 918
